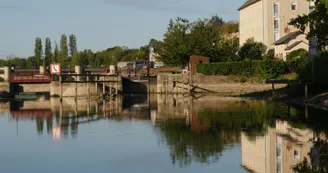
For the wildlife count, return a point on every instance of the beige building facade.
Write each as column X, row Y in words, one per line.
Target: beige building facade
column 267, row 21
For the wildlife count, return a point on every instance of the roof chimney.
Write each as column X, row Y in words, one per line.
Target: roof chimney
column 287, row 30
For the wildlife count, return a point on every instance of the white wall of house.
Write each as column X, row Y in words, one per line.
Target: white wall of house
column 251, row 23
column 260, row 24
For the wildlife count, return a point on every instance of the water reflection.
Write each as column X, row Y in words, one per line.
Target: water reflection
column 195, row 130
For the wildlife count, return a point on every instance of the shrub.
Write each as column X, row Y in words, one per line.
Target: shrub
column 267, row 69
column 253, row 50
column 296, row 53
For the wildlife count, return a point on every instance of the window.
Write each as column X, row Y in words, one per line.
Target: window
column 293, row 6
column 275, row 9
column 297, row 154
column 276, row 24
column 276, row 36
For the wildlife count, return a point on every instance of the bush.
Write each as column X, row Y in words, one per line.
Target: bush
column 252, row 50
column 296, row 53
column 266, row 69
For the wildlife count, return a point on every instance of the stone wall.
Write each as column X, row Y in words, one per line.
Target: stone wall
column 177, row 83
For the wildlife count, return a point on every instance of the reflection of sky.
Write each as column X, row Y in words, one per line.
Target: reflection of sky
column 103, row 146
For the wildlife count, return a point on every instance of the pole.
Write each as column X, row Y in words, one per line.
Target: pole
column 60, row 87
column 88, row 86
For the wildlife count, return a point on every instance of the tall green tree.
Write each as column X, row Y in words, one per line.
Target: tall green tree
column 63, row 60
column 56, row 54
column 316, row 22
column 175, row 45
column 203, row 38
column 48, row 52
column 72, row 45
column 38, row 50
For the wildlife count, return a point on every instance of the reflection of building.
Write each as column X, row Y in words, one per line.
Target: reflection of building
column 280, row 149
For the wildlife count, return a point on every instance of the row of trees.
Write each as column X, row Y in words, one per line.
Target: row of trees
column 62, row 55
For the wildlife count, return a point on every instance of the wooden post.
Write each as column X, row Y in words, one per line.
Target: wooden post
column 306, row 93
column 88, row 86
column 96, row 83
column 104, row 87
column 116, row 91
column 273, row 94
column 75, row 90
column 60, row 87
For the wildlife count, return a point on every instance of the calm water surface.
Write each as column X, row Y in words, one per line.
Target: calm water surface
column 147, row 134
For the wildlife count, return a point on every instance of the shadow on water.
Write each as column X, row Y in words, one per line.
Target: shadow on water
column 198, row 129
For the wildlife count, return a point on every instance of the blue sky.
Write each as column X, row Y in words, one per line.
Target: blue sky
column 98, row 24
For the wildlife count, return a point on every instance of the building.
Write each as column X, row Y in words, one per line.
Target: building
column 267, row 21
column 153, row 57
column 279, row 150
column 194, row 60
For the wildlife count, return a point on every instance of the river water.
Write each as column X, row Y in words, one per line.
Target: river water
column 156, row 133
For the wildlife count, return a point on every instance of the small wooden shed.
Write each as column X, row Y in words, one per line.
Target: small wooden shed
column 194, row 60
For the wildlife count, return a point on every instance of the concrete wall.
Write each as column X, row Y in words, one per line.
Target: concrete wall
column 32, row 88
column 139, row 85
column 71, row 89
column 207, row 84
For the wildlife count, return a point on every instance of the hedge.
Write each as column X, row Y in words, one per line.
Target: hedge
column 265, row 68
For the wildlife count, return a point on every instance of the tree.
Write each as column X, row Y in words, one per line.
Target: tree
column 82, row 58
column 316, row 22
column 72, row 45
column 56, row 54
column 227, row 50
column 252, row 50
column 47, row 51
column 175, row 45
column 31, row 62
column 202, row 39
column 229, row 28
column 63, row 58
column 38, row 50
column 215, row 21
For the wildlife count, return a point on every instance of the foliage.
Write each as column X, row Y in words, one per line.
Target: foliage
column 315, row 22
column 55, row 58
column 266, row 69
column 229, row 28
column 252, row 50
column 72, row 45
column 63, row 54
column 203, row 146
column 227, row 49
column 82, row 58
column 296, row 54
column 175, row 45
column 38, row 50
column 48, row 52
column 202, row 39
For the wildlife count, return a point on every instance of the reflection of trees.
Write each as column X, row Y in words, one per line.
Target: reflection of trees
column 253, row 123
column 49, row 125
column 39, row 126
column 201, row 146
column 306, row 167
